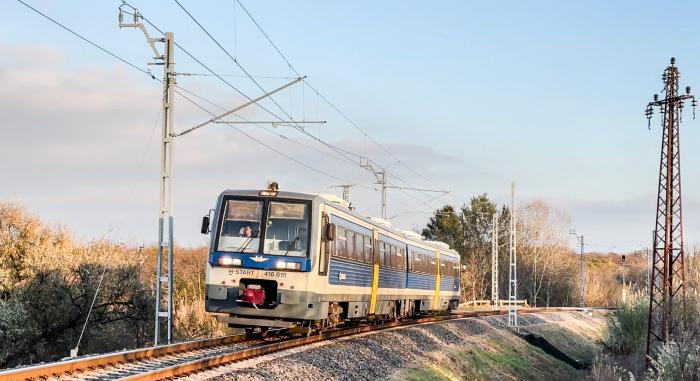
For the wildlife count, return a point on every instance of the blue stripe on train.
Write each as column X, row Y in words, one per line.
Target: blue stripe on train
column 390, row 278
column 360, row 274
column 421, row 281
column 449, row 284
column 355, row 274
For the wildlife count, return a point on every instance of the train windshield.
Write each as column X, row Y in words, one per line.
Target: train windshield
column 287, row 230
column 240, row 229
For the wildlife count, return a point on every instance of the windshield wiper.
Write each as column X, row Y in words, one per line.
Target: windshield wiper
column 292, row 245
column 242, row 248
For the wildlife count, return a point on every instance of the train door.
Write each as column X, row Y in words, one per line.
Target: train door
column 326, row 244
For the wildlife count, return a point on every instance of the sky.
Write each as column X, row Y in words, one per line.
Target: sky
column 462, row 96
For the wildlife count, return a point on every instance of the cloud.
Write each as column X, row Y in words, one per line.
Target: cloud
column 81, row 146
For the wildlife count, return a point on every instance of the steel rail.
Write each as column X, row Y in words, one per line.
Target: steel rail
column 87, row 364
column 265, row 349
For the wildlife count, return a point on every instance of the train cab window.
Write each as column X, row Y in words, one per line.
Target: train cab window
column 368, row 249
column 240, row 226
column 350, row 239
column 287, row 230
column 340, row 242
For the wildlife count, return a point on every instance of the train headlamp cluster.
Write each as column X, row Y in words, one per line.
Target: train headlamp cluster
column 228, row 261
column 288, row 265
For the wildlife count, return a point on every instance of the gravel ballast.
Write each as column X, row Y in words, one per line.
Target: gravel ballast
column 472, row 348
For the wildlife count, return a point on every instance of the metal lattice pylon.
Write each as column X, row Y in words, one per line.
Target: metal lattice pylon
column 667, row 267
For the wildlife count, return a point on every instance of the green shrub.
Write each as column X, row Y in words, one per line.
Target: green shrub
column 626, row 330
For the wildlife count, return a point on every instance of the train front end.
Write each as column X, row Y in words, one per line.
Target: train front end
column 260, row 259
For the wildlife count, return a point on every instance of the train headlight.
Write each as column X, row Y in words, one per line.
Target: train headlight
column 288, row 265
column 228, row 261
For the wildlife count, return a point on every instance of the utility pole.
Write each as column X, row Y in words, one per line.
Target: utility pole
column 164, row 274
column 513, row 278
column 494, row 261
column 380, row 175
column 581, row 271
column 346, row 190
column 667, row 267
column 622, row 270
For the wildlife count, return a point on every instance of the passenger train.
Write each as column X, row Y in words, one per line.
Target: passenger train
column 307, row 262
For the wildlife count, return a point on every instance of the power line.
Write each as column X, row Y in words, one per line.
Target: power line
column 271, row 132
column 180, row 91
column 338, row 150
column 240, row 66
column 327, row 101
column 86, row 40
column 105, row 50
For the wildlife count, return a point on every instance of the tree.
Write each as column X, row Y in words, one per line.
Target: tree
column 469, row 232
column 21, row 236
column 545, row 262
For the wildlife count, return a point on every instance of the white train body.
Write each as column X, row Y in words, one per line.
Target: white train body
column 282, row 259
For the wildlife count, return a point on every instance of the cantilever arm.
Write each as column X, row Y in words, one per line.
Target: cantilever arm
column 250, row 102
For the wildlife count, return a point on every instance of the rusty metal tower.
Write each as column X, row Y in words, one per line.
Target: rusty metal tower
column 667, row 267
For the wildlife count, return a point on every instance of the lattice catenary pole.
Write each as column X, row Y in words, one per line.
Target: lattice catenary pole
column 494, row 261
column 513, row 275
column 164, row 272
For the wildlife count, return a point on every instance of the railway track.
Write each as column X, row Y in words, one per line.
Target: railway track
column 168, row 361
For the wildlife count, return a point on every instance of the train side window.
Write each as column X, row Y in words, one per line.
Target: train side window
column 410, row 260
column 368, row 249
column 350, row 239
column 389, row 255
column 402, row 258
column 382, row 253
column 341, row 242
column 359, row 247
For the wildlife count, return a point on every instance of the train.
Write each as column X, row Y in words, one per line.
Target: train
column 309, row 262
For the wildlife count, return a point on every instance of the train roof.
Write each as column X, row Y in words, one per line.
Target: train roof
column 339, row 203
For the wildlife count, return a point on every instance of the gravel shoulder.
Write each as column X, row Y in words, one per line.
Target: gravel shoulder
column 473, row 348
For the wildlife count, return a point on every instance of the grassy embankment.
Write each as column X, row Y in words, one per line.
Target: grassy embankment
column 501, row 353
